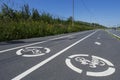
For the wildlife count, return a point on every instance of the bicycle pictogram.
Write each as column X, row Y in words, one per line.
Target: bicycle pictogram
column 35, row 51
column 92, row 62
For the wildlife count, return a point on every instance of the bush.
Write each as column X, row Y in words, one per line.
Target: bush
column 24, row 24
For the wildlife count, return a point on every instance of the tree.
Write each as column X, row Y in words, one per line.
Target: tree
column 69, row 20
column 46, row 17
column 35, row 15
column 26, row 12
column 7, row 12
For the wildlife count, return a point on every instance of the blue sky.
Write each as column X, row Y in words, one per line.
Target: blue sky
column 105, row 12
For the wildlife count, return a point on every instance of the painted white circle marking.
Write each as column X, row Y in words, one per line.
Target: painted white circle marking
column 84, row 59
column 36, row 51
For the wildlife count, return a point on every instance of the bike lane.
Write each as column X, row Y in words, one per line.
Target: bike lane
column 102, row 61
column 13, row 64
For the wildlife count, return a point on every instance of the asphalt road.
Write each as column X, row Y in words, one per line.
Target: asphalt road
column 114, row 32
column 88, row 55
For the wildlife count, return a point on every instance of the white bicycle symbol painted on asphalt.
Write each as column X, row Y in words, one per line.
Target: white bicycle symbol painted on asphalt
column 36, row 51
column 93, row 63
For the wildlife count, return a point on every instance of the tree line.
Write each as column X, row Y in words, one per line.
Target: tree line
column 28, row 23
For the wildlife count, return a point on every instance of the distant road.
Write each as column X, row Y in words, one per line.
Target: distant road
column 87, row 55
column 115, row 32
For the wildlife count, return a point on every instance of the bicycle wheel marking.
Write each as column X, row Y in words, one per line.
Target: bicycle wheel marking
column 92, row 62
column 35, row 51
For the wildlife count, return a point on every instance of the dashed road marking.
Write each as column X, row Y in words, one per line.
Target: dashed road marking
column 97, row 43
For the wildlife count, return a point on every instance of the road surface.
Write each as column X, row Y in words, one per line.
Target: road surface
column 114, row 32
column 88, row 55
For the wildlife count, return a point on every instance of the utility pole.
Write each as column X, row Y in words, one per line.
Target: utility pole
column 73, row 13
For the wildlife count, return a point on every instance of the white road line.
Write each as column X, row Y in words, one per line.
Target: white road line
column 29, row 44
column 113, row 34
column 97, row 43
column 2, row 51
column 22, row 75
column 116, row 35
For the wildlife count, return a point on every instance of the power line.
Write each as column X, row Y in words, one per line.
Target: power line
column 88, row 10
column 86, row 7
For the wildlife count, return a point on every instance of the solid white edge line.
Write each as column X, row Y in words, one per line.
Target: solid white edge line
column 31, row 44
column 116, row 35
column 25, row 73
column 113, row 34
column 2, row 51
